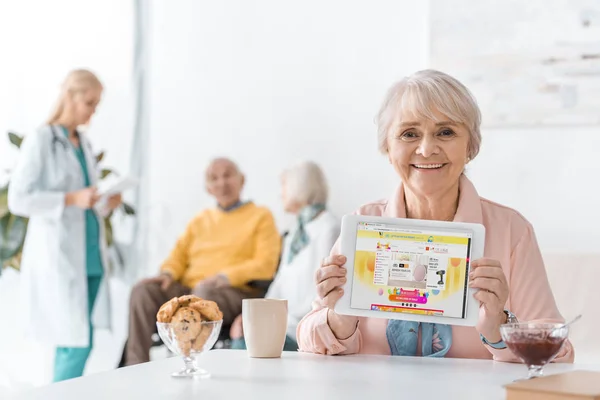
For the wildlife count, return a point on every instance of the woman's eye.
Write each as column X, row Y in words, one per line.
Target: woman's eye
column 409, row 135
column 447, row 133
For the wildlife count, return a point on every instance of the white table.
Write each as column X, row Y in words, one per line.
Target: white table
column 299, row 376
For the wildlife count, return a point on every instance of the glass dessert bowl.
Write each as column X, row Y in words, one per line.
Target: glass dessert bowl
column 536, row 344
column 189, row 341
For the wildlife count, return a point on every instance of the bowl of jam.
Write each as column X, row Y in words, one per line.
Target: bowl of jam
column 536, row 344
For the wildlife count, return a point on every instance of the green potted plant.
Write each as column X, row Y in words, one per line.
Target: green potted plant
column 14, row 228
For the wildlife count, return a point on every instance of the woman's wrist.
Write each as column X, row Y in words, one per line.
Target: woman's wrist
column 493, row 336
column 491, row 328
column 342, row 326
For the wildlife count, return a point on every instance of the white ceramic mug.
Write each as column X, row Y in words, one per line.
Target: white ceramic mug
column 265, row 326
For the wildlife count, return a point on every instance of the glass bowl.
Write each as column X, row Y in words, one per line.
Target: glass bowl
column 536, row 344
column 189, row 341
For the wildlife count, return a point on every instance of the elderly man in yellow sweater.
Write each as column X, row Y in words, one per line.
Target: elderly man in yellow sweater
column 221, row 251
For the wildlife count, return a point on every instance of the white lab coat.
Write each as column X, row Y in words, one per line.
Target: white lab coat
column 53, row 268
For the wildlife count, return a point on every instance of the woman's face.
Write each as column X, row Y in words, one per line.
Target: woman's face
column 289, row 204
column 82, row 106
column 428, row 156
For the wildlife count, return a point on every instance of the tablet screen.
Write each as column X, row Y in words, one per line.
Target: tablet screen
column 408, row 270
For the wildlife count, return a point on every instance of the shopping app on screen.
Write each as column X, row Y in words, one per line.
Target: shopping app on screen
column 406, row 270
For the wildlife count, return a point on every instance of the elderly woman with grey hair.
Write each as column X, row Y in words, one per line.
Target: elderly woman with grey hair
column 304, row 194
column 429, row 129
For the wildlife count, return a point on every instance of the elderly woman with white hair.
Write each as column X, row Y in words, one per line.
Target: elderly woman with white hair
column 429, row 128
column 304, row 194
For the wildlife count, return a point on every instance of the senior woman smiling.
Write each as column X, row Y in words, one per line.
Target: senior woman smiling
column 428, row 127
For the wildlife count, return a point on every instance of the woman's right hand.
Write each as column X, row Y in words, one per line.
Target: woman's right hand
column 84, row 198
column 330, row 277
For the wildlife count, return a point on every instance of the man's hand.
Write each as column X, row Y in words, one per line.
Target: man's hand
column 165, row 280
column 217, row 281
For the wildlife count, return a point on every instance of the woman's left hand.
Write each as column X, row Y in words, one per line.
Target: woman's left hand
column 237, row 328
column 487, row 276
column 114, row 201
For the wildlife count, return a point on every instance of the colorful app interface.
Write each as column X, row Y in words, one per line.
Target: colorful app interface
column 409, row 270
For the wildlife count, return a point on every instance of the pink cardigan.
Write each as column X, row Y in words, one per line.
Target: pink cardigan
column 509, row 239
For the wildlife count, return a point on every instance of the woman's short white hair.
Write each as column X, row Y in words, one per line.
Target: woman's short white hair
column 421, row 94
column 305, row 183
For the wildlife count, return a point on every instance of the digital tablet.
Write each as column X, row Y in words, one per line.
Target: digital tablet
column 410, row 269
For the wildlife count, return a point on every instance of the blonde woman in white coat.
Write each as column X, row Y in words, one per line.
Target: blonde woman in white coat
column 64, row 256
column 304, row 194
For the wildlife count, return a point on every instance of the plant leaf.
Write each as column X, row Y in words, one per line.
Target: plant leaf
column 99, row 157
column 12, row 236
column 109, row 231
column 105, row 172
column 15, row 139
column 3, row 201
column 129, row 210
column 14, row 262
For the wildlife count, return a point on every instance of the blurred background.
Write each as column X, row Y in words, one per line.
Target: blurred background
column 268, row 83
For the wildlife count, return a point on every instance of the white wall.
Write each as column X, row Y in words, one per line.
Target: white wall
column 42, row 41
column 550, row 176
column 269, row 83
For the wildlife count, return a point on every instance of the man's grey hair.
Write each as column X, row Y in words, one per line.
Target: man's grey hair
column 220, row 160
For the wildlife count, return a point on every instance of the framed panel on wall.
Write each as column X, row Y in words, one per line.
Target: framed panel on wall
column 534, row 63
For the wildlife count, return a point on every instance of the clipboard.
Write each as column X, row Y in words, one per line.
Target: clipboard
column 110, row 187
